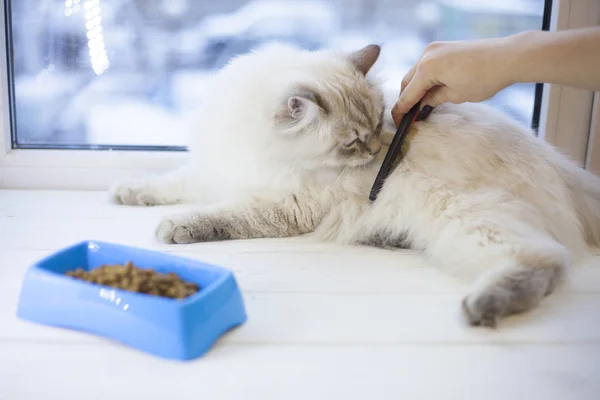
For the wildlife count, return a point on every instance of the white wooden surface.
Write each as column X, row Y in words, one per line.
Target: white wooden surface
column 324, row 323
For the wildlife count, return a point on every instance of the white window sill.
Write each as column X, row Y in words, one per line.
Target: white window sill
column 81, row 169
column 355, row 323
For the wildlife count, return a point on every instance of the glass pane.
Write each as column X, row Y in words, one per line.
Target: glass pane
column 127, row 72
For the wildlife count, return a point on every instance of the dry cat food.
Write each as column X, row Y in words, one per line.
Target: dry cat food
column 129, row 277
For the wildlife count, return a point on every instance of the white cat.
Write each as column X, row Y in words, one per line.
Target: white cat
column 292, row 141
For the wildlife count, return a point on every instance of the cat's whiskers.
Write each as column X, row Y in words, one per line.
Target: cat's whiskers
column 344, row 172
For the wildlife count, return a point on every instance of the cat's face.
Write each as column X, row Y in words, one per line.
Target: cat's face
column 336, row 117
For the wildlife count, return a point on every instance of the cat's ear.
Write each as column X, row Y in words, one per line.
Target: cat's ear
column 305, row 102
column 307, row 97
column 298, row 107
column 301, row 111
column 364, row 59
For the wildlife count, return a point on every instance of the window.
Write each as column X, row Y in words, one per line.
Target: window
column 98, row 74
column 64, row 108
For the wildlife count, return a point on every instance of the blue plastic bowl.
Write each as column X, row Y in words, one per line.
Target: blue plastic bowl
column 180, row 329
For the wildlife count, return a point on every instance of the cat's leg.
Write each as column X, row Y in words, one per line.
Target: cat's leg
column 171, row 188
column 519, row 285
column 518, row 262
column 293, row 215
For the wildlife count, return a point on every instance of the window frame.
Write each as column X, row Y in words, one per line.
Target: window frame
column 566, row 115
column 96, row 169
column 5, row 125
column 592, row 161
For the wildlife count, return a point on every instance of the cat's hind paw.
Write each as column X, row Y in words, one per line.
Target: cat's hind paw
column 483, row 310
column 513, row 292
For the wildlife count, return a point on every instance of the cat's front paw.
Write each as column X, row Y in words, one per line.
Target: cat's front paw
column 191, row 229
column 174, row 231
column 133, row 193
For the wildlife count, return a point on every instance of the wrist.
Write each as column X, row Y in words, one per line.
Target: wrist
column 521, row 53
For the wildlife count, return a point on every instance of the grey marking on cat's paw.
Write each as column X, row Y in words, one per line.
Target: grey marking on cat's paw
column 174, row 231
column 515, row 292
column 132, row 193
column 191, row 229
column 484, row 310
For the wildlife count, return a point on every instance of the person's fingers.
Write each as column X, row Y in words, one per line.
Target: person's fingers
column 436, row 96
column 414, row 91
column 408, row 77
column 396, row 116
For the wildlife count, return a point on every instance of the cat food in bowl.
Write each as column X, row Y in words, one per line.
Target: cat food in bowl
column 129, row 277
column 90, row 287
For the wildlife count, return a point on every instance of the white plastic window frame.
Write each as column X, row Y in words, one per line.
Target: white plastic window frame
column 67, row 169
column 566, row 122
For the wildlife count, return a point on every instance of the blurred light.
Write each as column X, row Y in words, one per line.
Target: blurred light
column 175, row 8
column 91, row 13
column 69, row 10
column 98, row 56
column 428, row 13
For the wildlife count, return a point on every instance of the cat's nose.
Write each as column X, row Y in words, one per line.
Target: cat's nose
column 374, row 145
column 375, row 152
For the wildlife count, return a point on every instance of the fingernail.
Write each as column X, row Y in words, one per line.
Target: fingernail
column 424, row 113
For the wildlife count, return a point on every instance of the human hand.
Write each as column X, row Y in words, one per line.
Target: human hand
column 456, row 72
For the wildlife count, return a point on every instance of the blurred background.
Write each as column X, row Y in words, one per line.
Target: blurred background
column 127, row 72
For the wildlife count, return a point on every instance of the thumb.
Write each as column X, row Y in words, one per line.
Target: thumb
column 436, row 96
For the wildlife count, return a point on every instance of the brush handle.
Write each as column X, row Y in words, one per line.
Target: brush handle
column 394, row 149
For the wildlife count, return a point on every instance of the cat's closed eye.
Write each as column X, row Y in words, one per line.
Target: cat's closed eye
column 351, row 143
column 354, row 141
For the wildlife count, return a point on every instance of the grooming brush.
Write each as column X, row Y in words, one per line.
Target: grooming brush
column 394, row 149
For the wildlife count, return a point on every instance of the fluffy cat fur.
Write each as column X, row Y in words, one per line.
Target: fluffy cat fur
column 289, row 143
